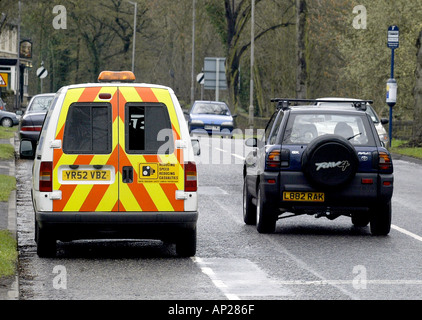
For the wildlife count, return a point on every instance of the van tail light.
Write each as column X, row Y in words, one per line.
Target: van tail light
column 191, row 179
column 46, row 177
column 385, row 163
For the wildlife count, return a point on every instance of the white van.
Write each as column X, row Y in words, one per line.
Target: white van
column 115, row 160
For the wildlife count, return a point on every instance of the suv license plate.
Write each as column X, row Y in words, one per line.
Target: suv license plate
column 214, row 128
column 304, row 196
column 86, row 175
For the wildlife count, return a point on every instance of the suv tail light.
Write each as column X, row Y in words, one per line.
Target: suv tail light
column 384, row 162
column 273, row 159
column 278, row 158
column 46, row 177
column 191, row 184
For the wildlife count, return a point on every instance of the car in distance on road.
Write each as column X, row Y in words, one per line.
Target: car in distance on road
column 33, row 118
column 114, row 160
column 318, row 160
column 379, row 122
column 211, row 117
column 2, row 104
column 7, row 118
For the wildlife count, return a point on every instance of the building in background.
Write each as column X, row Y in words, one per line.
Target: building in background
column 9, row 60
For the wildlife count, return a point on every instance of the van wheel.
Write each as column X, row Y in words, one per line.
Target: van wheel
column 186, row 243
column 249, row 209
column 265, row 218
column 380, row 223
column 46, row 244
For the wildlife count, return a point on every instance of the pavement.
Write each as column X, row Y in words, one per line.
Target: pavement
column 9, row 286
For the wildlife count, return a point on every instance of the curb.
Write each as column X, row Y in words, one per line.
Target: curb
column 397, row 156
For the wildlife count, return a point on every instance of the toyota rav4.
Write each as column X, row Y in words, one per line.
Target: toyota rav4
column 318, row 160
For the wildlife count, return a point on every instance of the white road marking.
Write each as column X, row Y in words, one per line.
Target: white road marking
column 404, row 231
column 237, row 277
column 233, row 154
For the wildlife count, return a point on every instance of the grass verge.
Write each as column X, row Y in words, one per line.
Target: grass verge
column 7, row 151
column 7, row 184
column 8, row 254
column 7, row 133
column 397, row 147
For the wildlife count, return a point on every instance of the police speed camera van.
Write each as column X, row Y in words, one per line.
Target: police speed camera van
column 115, row 160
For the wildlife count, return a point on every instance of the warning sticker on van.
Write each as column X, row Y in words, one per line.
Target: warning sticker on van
column 158, row 172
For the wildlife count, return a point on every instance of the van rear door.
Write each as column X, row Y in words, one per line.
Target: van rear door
column 85, row 167
column 151, row 164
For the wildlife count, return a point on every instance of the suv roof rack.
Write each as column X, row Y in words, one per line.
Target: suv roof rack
column 284, row 103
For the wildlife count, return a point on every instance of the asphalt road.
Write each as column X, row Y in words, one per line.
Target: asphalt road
column 305, row 259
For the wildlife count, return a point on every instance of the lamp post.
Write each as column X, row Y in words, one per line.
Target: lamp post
column 134, row 34
column 18, row 62
column 192, row 89
column 251, row 107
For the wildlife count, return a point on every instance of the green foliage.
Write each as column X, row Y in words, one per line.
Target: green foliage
column 341, row 60
column 367, row 58
column 7, row 184
column 216, row 13
column 7, row 151
column 8, row 254
column 400, row 147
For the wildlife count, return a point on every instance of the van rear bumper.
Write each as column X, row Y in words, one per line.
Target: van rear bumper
column 116, row 225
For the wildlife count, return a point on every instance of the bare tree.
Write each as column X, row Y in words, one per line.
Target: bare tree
column 230, row 22
column 301, row 71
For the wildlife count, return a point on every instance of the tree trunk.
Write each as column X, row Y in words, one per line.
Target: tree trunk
column 301, row 72
column 417, row 94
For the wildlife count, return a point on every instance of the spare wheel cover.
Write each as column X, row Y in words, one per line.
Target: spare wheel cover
column 330, row 161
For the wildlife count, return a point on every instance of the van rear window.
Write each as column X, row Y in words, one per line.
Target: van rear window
column 148, row 129
column 88, row 129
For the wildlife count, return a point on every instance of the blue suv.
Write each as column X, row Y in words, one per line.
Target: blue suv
column 318, row 160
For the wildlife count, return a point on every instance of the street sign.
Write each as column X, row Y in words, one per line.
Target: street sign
column 200, row 78
column 4, row 79
column 215, row 74
column 393, row 37
column 42, row 72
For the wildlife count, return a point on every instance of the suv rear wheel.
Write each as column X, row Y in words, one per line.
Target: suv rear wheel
column 360, row 219
column 249, row 209
column 265, row 217
column 380, row 223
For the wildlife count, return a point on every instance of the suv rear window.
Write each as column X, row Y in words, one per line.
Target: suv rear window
column 302, row 128
column 148, row 129
column 88, row 129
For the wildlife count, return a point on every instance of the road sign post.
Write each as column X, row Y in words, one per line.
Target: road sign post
column 200, row 78
column 215, row 75
column 42, row 73
column 392, row 43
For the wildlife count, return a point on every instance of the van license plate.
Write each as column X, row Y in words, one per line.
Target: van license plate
column 304, row 196
column 86, row 175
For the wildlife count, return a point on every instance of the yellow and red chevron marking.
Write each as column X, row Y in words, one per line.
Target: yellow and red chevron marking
column 118, row 196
